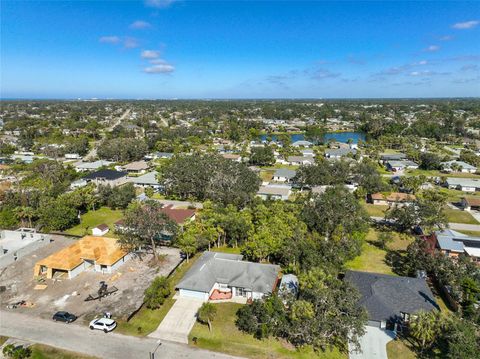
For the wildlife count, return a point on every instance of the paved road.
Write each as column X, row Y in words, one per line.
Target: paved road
column 93, row 151
column 80, row 339
column 373, row 344
column 179, row 321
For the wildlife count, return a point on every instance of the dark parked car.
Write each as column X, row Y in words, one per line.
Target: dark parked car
column 64, row 317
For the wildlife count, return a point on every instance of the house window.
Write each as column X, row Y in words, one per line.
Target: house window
column 241, row 292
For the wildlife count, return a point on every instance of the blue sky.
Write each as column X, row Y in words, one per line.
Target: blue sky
column 245, row 49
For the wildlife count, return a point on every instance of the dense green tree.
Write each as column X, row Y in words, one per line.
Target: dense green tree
column 56, row 214
column 122, row 149
column 144, row 224
column 203, row 177
column 157, row 292
column 262, row 156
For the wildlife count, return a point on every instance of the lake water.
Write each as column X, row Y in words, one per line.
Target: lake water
column 336, row 136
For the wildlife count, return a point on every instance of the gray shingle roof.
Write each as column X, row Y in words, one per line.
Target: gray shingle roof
column 386, row 296
column 229, row 269
column 285, row 172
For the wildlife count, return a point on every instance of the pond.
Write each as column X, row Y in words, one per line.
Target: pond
column 336, row 136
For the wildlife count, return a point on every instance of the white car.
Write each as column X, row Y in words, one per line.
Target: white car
column 105, row 324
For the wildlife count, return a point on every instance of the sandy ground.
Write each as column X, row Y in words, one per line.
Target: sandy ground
column 131, row 279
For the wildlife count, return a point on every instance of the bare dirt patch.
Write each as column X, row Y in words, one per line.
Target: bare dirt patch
column 131, row 279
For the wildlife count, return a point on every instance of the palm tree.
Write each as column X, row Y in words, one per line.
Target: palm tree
column 29, row 213
column 424, row 328
column 206, row 314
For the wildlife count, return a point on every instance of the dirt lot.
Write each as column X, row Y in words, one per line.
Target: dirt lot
column 131, row 279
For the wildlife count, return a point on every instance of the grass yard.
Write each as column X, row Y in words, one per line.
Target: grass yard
column 147, row 320
column 92, row 219
column 40, row 351
column 375, row 210
column 459, row 216
column 400, row 349
column 226, row 338
column 3, row 339
column 266, row 175
column 224, row 249
column 436, row 173
column 372, row 258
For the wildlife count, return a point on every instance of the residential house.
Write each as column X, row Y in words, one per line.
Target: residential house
column 159, row 155
column 275, row 192
column 147, row 180
column 137, row 167
column 179, row 215
column 337, row 153
column 100, row 254
column 469, row 203
column 106, row 177
column 91, row 166
column 458, row 166
column 463, row 184
column 385, row 157
column 400, row 165
column 391, row 301
column 100, row 230
column 394, row 198
column 300, row 160
column 21, row 242
column 216, row 276
column 284, row 175
column 232, row 156
column 452, row 243
column 307, row 152
column 302, row 143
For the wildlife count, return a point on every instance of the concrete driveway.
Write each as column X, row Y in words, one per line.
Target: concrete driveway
column 373, row 344
column 179, row 321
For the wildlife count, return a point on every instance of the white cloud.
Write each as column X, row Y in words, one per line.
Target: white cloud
column 466, row 25
column 140, row 24
column 159, row 3
column 423, row 62
column 150, row 54
column 109, row 39
column 446, row 38
column 164, row 68
column 432, row 48
column 130, row 43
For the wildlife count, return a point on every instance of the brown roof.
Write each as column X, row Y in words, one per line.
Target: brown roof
column 472, row 201
column 231, row 156
column 102, row 227
column 136, row 166
column 102, row 250
column 177, row 215
column 394, row 197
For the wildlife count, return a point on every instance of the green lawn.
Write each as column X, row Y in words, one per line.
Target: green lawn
column 470, row 233
column 459, row 216
column 226, row 338
column 92, row 219
column 147, row 320
column 372, row 258
column 436, row 173
column 375, row 210
column 40, row 351
column 266, row 175
column 400, row 349
column 224, row 249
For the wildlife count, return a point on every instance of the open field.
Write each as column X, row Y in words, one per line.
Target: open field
column 61, row 293
column 226, row 338
column 374, row 210
column 373, row 258
column 92, row 219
